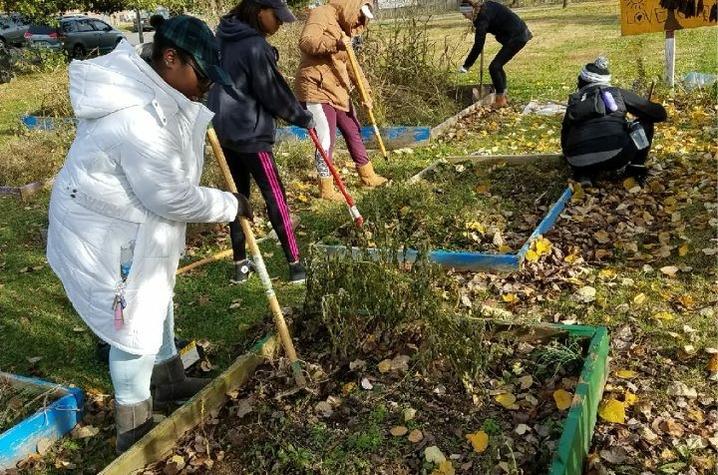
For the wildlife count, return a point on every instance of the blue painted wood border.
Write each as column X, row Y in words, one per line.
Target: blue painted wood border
column 465, row 260
column 48, row 424
column 399, row 133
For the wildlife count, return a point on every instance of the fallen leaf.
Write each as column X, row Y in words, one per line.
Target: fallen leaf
column 434, row 454
column 509, row 298
column 43, row 445
column 416, row 436
column 683, row 250
column 366, row 384
column 398, row 431
column 625, row 374
column 612, row 410
column 640, row 299
column 357, row 365
column 324, row 409
column 348, row 388
column 531, row 256
column 409, row 414
column 614, row 455
column 713, row 364
column 174, row 465
column 562, row 398
column 244, row 407
column 631, row 185
column 85, row 432
column 444, row 468
column 629, row 398
column 507, row 400
column 586, row 294
column 479, row 441
column 601, row 237
column 678, row 388
column 525, row 382
column 384, row 366
column 521, row 429
column 670, row 271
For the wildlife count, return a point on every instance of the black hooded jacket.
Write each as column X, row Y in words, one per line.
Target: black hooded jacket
column 244, row 115
column 500, row 21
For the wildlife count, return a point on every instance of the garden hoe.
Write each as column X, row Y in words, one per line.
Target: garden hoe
column 279, row 322
column 353, row 211
column 359, row 76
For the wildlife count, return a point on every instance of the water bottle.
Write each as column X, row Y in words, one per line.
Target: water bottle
column 126, row 254
column 608, row 100
column 638, row 135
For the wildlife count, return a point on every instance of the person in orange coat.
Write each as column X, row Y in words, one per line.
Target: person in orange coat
column 324, row 80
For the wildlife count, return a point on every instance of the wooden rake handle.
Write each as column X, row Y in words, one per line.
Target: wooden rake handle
column 279, row 321
column 359, row 76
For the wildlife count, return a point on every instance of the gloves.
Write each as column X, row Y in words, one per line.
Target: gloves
column 463, row 70
column 357, row 43
column 244, row 209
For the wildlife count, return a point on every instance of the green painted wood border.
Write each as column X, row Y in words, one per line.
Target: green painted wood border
column 575, row 440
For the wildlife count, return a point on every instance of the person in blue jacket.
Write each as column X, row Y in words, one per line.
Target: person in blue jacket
column 510, row 31
column 245, row 119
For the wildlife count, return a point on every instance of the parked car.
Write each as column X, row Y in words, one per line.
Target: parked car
column 144, row 20
column 12, row 29
column 78, row 35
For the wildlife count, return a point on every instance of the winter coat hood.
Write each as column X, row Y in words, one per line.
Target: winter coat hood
column 232, row 28
column 348, row 12
column 118, row 81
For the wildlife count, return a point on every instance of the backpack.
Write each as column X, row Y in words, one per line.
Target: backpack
column 587, row 103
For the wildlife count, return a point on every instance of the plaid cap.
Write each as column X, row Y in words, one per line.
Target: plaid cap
column 194, row 36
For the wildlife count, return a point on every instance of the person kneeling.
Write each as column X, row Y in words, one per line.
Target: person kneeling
column 597, row 137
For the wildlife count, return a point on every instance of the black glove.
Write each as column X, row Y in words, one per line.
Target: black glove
column 244, row 209
column 311, row 124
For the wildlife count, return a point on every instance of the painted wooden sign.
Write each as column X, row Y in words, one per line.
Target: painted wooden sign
column 650, row 16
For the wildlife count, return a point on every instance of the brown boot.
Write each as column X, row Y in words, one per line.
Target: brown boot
column 368, row 177
column 500, row 101
column 170, row 385
column 132, row 422
column 327, row 191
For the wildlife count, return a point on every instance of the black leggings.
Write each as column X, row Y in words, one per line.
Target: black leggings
column 261, row 166
column 628, row 155
column 496, row 68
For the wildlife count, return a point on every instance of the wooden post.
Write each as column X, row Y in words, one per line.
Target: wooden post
column 138, row 19
column 670, row 70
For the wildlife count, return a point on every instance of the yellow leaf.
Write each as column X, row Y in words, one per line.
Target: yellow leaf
column 607, row 274
column 476, row 226
column 630, row 399
column 479, row 441
column 640, row 299
column 612, row 410
column 509, row 298
column 531, row 256
column 663, row 316
column 625, row 374
column 601, row 236
column 713, row 364
column 571, row 258
column 687, row 301
column 562, row 398
column 507, row 400
column 504, row 248
column 384, row 366
column 542, row 246
column 444, row 468
column 482, row 188
column 630, row 184
column 578, row 193
column 348, row 388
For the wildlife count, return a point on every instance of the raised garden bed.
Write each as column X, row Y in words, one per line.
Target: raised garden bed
column 33, row 414
column 471, row 215
column 398, row 382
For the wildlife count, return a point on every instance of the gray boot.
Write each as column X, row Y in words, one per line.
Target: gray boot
column 132, row 422
column 170, row 385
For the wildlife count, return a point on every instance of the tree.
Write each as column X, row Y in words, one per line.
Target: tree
column 47, row 9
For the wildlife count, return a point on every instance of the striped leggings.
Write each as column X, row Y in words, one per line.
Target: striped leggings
column 261, row 166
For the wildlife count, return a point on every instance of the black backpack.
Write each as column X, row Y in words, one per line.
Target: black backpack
column 587, row 104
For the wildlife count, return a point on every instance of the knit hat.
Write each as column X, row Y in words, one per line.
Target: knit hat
column 596, row 72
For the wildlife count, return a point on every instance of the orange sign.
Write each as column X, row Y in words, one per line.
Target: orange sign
column 648, row 16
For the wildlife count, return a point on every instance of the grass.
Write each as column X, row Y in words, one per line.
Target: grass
column 36, row 320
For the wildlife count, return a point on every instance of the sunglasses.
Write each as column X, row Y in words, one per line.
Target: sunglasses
column 202, row 78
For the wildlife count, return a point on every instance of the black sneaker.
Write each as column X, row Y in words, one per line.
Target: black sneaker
column 242, row 269
column 297, row 274
column 584, row 180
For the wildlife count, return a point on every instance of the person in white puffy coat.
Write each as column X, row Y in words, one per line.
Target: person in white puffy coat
column 125, row 193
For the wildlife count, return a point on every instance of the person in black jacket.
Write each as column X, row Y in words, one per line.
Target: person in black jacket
column 596, row 136
column 510, row 31
column 245, row 114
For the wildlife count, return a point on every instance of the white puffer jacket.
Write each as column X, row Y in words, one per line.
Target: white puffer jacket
column 132, row 173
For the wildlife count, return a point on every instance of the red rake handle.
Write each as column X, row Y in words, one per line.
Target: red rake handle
column 337, row 179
